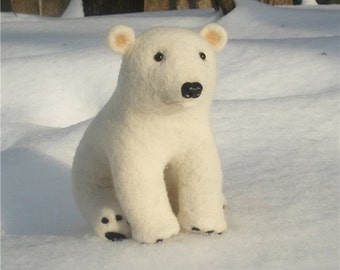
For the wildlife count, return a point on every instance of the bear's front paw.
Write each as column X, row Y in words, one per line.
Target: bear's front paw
column 207, row 225
column 155, row 231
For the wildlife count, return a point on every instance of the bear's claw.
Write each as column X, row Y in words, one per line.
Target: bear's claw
column 119, row 217
column 195, row 229
column 113, row 236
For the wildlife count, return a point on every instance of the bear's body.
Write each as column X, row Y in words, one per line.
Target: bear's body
column 148, row 163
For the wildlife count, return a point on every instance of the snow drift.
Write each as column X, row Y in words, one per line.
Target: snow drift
column 275, row 115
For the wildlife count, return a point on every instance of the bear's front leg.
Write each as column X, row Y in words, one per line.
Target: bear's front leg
column 141, row 191
column 200, row 196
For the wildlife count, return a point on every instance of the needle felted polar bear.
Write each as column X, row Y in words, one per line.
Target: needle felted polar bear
column 148, row 163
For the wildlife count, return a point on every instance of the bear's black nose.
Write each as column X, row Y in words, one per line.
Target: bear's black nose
column 191, row 89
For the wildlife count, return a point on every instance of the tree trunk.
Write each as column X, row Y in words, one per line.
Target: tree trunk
column 5, row 5
column 226, row 5
column 104, row 7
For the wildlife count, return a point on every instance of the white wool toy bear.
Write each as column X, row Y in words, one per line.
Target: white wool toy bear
column 148, row 164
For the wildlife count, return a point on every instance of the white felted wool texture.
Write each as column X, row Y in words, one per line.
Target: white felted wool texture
column 149, row 156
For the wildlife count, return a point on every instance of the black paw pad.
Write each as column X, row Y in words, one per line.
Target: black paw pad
column 105, row 220
column 210, row 232
column 115, row 236
column 195, row 229
column 159, row 240
column 119, row 217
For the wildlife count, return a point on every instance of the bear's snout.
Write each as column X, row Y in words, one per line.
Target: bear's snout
column 191, row 89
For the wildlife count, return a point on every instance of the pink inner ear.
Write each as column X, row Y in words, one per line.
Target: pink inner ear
column 121, row 41
column 213, row 37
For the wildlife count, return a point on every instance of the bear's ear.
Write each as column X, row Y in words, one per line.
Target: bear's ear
column 215, row 35
column 120, row 38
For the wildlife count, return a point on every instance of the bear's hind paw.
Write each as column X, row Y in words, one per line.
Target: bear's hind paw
column 113, row 227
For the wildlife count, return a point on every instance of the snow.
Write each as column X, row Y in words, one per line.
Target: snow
column 74, row 10
column 275, row 115
column 309, row 2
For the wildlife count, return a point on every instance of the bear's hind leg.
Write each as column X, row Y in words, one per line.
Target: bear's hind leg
column 101, row 209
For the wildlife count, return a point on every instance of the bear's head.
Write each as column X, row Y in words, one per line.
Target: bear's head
column 167, row 68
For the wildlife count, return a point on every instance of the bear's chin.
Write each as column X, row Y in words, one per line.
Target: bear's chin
column 183, row 103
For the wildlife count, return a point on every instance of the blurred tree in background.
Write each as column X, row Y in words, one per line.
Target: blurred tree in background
column 101, row 7
column 54, row 8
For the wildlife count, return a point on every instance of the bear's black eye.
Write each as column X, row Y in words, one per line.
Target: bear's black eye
column 202, row 55
column 158, row 56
